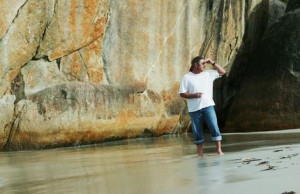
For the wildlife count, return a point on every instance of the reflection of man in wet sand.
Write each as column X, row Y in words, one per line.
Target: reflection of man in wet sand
column 197, row 87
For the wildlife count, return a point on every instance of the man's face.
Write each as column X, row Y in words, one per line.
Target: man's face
column 202, row 64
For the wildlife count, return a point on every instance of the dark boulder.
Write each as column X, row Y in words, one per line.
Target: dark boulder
column 277, row 9
column 269, row 95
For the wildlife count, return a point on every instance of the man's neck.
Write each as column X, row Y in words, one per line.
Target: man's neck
column 197, row 72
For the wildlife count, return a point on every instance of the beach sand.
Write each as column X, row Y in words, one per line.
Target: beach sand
column 260, row 163
column 274, row 169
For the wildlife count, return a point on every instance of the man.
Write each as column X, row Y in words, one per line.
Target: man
column 197, row 87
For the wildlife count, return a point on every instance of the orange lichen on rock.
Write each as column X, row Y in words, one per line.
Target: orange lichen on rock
column 13, row 74
column 83, row 23
column 167, row 125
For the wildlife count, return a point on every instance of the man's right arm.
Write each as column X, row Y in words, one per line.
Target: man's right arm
column 191, row 95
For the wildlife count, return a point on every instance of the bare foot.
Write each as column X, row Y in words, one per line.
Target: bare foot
column 200, row 155
column 220, row 153
column 200, row 150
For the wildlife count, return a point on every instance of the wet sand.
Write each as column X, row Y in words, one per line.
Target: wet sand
column 267, row 162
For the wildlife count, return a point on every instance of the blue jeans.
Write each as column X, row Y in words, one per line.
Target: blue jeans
column 209, row 115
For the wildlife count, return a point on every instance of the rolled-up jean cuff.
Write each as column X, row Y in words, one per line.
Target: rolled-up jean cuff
column 198, row 142
column 218, row 138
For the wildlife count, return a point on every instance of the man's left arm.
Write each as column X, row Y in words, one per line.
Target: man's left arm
column 216, row 66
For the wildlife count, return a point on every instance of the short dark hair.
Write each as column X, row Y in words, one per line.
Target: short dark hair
column 194, row 62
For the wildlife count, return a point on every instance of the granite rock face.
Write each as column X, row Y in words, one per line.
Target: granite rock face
column 277, row 9
column 155, row 42
column 6, row 117
column 21, row 40
column 76, row 72
column 74, row 25
column 8, row 14
column 80, row 112
column 269, row 97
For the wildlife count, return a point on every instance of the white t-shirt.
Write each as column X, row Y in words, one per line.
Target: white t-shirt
column 203, row 83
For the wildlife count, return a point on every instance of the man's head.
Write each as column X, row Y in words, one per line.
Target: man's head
column 198, row 64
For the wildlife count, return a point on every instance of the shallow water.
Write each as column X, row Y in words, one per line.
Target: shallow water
column 151, row 165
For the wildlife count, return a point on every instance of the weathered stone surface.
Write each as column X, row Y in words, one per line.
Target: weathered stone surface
column 92, row 58
column 41, row 74
column 269, row 97
column 75, row 24
column 155, row 40
column 85, row 64
column 277, row 9
column 78, row 113
column 8, row 13
column 73, row 67
column 21, row 41
column 6, row 117
column 292, row 5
